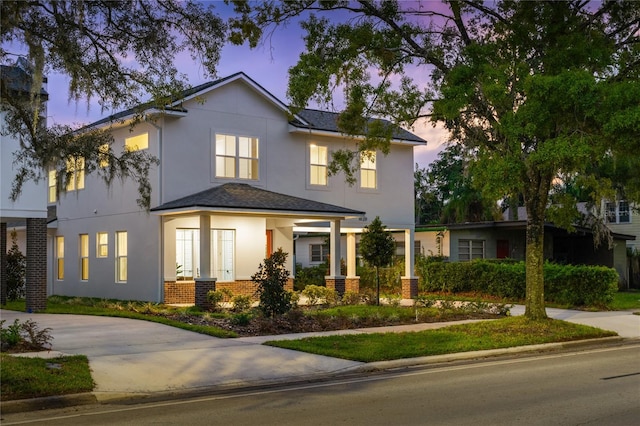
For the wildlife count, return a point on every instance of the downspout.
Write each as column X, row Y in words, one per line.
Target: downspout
column 160, row 197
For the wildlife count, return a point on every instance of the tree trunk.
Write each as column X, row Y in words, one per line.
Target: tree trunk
column 536, row 203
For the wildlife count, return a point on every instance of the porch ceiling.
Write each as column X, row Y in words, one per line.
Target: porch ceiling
column 241, row 198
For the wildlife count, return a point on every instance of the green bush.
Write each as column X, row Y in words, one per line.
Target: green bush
column 312, row 275
column 241, row 303
column 16, row 270
column 271, row 279
column 319, row 294
column 564, row 284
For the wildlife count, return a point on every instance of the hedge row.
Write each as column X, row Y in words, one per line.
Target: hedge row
column 564, row 284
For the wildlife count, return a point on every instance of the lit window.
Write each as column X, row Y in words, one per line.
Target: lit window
column 318, row 252
column 318, row 164
column 187, row 253
column 223, row 253
column 103, row 155
column 75, row 170
column 84, row 257
column 102, row 244
column 121, row 257
column 368, row 170
column 53, row 181
column 623, row 212
column 236, row 157
column 137, row 143
column 470, row 249
column 60, row 258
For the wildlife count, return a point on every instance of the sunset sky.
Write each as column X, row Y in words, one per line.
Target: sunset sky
column 268, row 65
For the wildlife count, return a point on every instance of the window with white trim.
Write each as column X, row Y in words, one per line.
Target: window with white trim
column 318, row 161
column 75, row 174
column 318, row 252
column 121, row 256
column 223, row 253
column 60, row 258
column 368, row 171
column 618, row 212
column 102, row 244
column 137, row 143
column 84, row 257
column 53, row 182
column 236, row 157
column 187, row 253
column 103, row 155
column 470, row 249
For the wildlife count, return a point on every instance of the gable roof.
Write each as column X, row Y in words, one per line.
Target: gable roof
column 241, row 196
column 306, row 119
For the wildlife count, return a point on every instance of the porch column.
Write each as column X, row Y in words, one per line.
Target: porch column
column 352, row 282
column 409, row 281
column 334, row 280
column 3, row 263
column 206, row 282
column 36, row 286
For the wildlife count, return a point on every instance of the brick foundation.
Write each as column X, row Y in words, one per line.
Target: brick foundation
column 36, row 285
column 409, row 288
column 336, row 283
column 352, row 284
column 184, row 292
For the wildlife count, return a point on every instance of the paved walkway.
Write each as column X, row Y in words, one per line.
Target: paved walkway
column 139, row 358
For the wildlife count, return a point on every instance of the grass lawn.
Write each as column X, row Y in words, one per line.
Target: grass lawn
column 624, row 300
column 23, row 378
column 503, row 333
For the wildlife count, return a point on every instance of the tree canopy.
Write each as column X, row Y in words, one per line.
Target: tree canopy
column 532, row 89
column 117, row 52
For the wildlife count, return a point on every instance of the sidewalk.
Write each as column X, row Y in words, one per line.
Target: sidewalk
column 137, row 359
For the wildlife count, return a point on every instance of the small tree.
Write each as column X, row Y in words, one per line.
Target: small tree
column 377, row 247
column 271, row 279
column 16, row 270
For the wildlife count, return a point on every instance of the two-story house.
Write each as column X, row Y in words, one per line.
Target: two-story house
column 238, row 176
column 28, row 213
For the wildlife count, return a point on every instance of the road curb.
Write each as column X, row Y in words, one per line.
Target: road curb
column 64, row 401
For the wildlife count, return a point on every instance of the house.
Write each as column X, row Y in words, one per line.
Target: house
column 506, row 239
column 28, row 213
column 238, row 176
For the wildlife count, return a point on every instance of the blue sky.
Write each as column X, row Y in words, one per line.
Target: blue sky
column 267, row 64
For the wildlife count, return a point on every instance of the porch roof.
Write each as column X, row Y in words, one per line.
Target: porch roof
column 241, row 197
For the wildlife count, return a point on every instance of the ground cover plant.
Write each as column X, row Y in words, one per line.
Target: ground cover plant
column 23, row 378
column 502, row 333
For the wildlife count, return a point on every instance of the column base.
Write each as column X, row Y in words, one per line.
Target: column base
column 409, row 287
column 203, row 287
column 337, row 283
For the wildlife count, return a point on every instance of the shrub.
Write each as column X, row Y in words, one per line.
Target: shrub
column 16, row 270
column 271, row 279
column 351, row 298
column 312, row 275
column 215, row 298
column 24, row 336
column 241, row 303
column 319, row 294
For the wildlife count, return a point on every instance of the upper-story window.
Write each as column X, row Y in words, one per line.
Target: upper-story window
column 617, row 212
column 318, row 160
column 368, row 171
column 236, row 157
column 137, row 143
column 103, row 155
column 53, row 182
column 75, row 170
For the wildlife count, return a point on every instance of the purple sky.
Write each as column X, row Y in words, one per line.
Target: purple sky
column 267, row 64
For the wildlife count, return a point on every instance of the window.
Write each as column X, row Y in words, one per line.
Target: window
column 53, row 182
column 60, row 258
column 121, row 257
column 84, row 257
column 103, row 155
column 236, row 157
column 137, row 143
column 102, row 244
column 75, row 170
column 617, row 212
column 368, row 170
column 318, row 165
column 318, row 252
column 470, row 249
column 187, row 253
column 223, row 253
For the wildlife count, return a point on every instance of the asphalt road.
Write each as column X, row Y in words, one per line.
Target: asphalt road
column 592, row 387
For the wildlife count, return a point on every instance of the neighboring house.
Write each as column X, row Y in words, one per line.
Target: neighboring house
column 28, row 214
column 506, row 239
column 623, row 218
column 239, row 175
